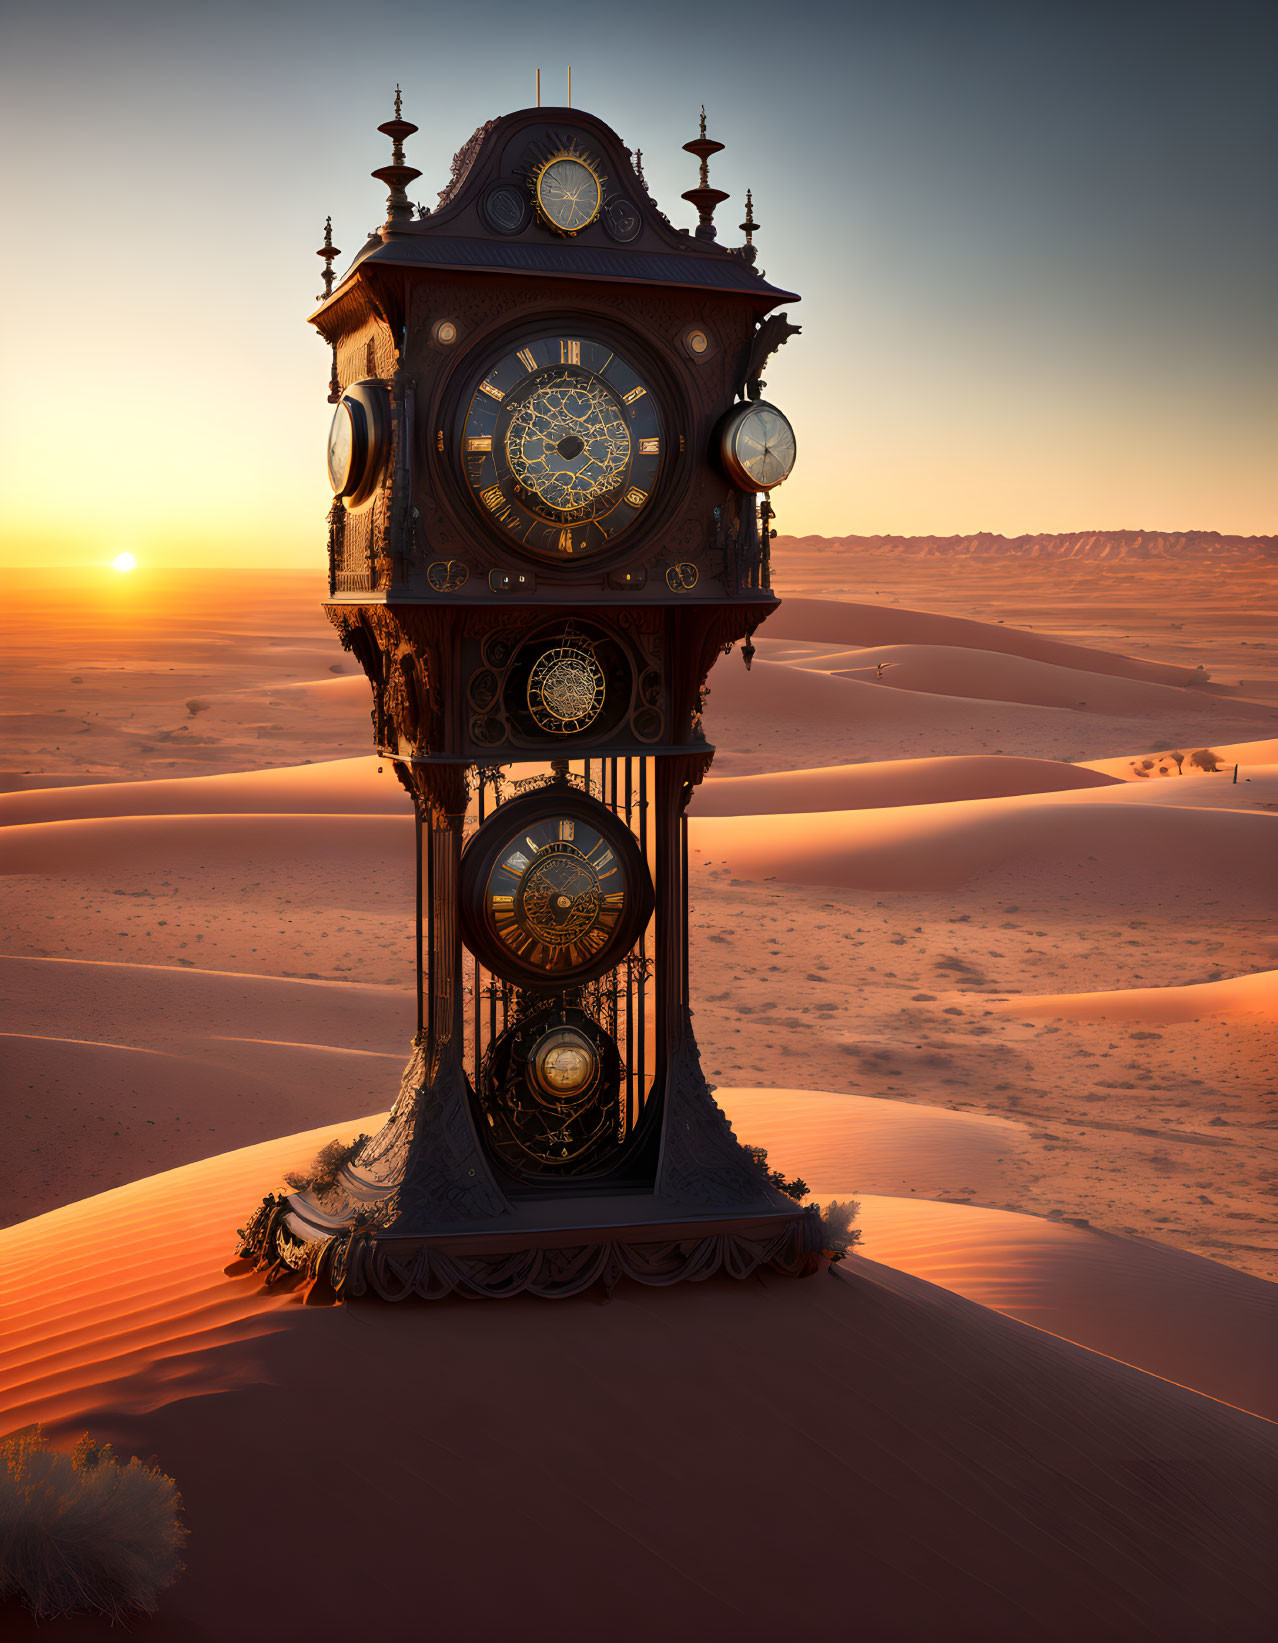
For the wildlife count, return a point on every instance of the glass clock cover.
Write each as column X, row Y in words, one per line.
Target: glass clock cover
column 341, row 449
column 758, row 447
column 568, row 194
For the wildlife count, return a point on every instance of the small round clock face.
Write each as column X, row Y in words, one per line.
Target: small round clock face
column 568, row 195
column 553, row 892
column 562, row 445
column 566, row 689
column 341, row 449
column 759, row 447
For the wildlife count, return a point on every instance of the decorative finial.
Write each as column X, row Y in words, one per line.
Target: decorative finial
column 703, row 196
column 328, row 251
column 749, row 225
column 399, row 210
column 748, row 228
column 639, row 166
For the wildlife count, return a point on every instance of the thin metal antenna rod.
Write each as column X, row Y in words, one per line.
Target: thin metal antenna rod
column 538, row 88
column 570, row 85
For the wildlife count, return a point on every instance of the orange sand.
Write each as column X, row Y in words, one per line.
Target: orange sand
column 1255, row 995
column 993, row 1481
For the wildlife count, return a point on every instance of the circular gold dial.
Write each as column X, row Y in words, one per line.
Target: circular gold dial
column 554, row 889
column 566, row 689
column 562, row 444
column 568, row 445
column 568, row 194
column 563, row 1063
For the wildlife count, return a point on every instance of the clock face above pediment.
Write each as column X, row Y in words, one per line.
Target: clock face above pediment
column 535, row 176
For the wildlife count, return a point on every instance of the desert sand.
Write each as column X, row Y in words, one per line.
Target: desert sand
column 980, row 1477
column 956, row 952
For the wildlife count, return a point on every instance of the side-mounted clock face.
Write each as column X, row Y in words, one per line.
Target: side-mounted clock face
column 756, row 446
column 357, row 442
column 554, row 889
column 562, row 445
column 568, row 194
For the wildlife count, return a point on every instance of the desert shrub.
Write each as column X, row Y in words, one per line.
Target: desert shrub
column 1204, row 759
column 795, row 1189
column 837, row 1232
column 323, row 1173
column 83, row 1532
column 1178, row 759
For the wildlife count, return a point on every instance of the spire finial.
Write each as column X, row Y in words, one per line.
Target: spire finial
column 749, row 225
column 639, row 166
column 748, row 228
column 703, row 196
column 328, row 251
column 399, row 212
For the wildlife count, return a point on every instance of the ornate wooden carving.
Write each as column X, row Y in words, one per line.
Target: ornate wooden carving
column 434, row 601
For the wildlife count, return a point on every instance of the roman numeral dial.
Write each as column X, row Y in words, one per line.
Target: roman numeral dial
column 561, row 445
column 554, row 890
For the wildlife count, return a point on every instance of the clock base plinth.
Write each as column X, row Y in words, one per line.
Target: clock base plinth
column 398, row 1223
column 564, row 1252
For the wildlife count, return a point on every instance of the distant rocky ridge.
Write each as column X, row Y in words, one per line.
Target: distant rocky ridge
column 1071, row 545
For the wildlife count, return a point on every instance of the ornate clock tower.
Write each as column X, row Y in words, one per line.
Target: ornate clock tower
column 550, row 465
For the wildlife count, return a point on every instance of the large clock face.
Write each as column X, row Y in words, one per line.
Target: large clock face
column 554, row 889
column 562, row 445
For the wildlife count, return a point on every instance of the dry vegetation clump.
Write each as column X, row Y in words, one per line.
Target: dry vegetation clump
column 796, row 1189
column 838, row 1235
column 84, row 1532
column 837, row 1232
column 323, row 1173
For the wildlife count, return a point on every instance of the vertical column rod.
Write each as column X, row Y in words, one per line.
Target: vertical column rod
column 630, row 977
column 430, row 926
column 683, row 858
column 476, row 999
column 417, row 831
column 643, row 938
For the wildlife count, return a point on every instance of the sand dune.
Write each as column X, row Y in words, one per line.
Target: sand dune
column 110, row 843
column 94, row 1001
column 887, row 782
column 1099, row 848
column 855, row 625
column 1245, row 754
column 1255, row 995
column 832, row 1139
column 333, row 787
column 1164, row 1310
column 949, row 670
column 89, row 1116
column 976, row 1478
column 115, row 1071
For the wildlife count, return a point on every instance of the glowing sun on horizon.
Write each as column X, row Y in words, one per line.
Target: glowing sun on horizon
column 124, row 562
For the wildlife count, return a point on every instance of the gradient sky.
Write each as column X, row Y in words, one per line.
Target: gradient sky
column 1037, row 245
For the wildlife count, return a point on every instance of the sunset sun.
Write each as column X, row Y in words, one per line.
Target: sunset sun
column 124, row 562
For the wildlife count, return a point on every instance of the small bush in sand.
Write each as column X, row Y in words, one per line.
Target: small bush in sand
column 83, row 1532
column 795, row 1189
column 1204, row 759
column 323, row 1173
column 837, row 1232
